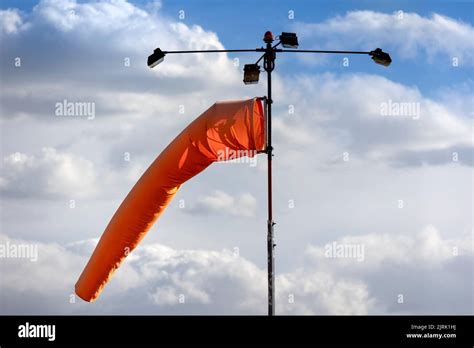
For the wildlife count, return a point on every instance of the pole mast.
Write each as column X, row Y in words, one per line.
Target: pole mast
column 269, row 65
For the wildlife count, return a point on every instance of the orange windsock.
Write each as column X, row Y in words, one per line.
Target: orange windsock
column 227, row 130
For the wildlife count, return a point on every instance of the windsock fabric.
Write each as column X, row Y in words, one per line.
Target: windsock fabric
column 227, row 130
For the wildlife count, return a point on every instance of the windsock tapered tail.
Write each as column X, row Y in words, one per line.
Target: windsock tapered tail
column 227, row 130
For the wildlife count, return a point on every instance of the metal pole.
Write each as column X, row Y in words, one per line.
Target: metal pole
column 269, row 64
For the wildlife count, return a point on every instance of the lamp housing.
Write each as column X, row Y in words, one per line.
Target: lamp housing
column 289, row 40
column 156, row 58
column 251, row 74
column 380, row 57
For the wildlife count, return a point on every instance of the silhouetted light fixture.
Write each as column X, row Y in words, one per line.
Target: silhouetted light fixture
column 380, row 57
column 289, row 40
column 251, row 74
column 156, row 58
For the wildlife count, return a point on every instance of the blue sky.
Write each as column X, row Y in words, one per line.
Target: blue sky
column 398, row 184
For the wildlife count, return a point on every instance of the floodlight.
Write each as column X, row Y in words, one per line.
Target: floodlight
column 251, row 74
column 156, row 58
column 381, row 57
column 289, row 40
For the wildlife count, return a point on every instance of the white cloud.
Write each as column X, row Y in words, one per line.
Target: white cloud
column 113, row 38
column 434, row 274
column 406, row 34
column 52, row 173
column 126, row 30
column 156, row 278
column 426, row 248
column 67, row 15
column 11, row 21
column 221, row 202
column 159, row 279
column 139, row 117
column 347, row 111
column 314, row 292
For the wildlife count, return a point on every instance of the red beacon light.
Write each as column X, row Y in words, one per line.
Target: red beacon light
column 268, row 37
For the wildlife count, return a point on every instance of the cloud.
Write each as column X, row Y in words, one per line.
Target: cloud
column 51, row 174
column 160, row 279
column 432, row 273
column 11, row 21
column 406, row 34
column 223, row 203
column 67, row 15
column 425, row 248
column 111, row 41
column 462, row 154
column 367, row 123
column 128, row 34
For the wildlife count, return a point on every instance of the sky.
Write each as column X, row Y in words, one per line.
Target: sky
column 372, row 161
